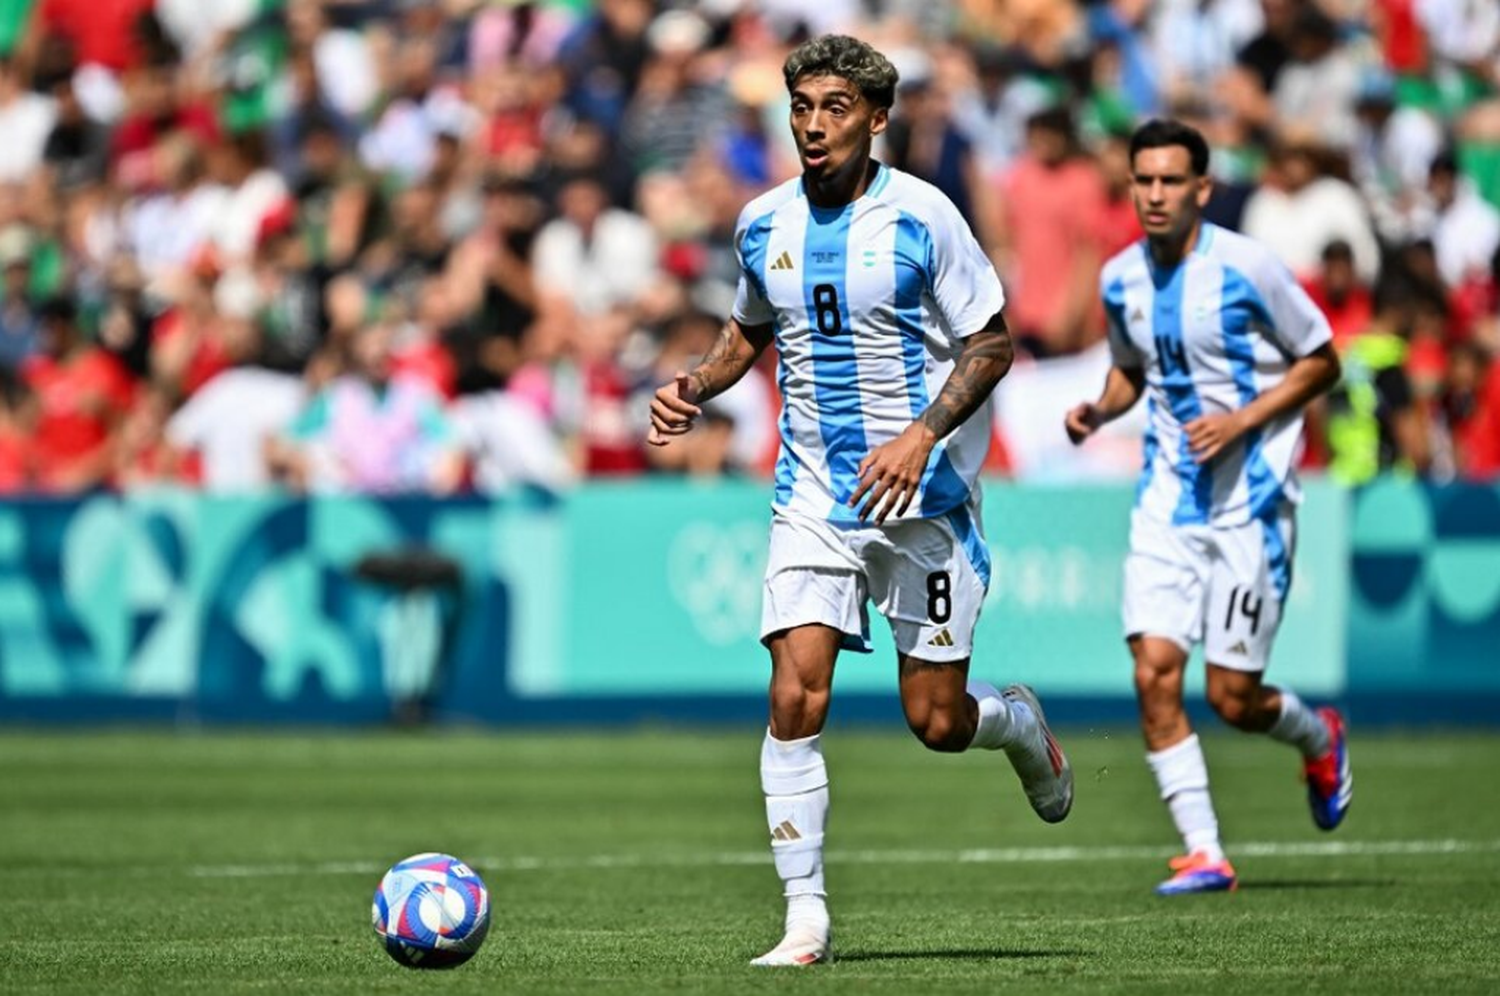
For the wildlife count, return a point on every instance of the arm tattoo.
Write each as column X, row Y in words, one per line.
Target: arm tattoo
column 728, row 359
column 983, row 360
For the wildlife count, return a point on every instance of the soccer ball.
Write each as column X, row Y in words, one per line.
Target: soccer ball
column 431, row 911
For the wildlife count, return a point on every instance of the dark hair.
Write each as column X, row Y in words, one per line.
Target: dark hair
column 1338, row 249
column 1058, row 120
column 58, row 308
column 849, row 58
column 1160, row 132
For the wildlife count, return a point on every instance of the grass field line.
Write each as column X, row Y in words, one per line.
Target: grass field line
column 1004, row 855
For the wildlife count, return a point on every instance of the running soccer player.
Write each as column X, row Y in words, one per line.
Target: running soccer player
column 886, row 317
column 1228, row 349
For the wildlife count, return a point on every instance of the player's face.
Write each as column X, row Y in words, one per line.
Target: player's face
column 1169, row 196
column 833, row 125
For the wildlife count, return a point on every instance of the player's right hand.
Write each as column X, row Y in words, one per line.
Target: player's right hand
column 672, row 410
column 1081, row 422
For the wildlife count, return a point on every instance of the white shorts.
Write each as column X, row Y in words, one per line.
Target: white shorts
column 1221, row 586
column 928, row 577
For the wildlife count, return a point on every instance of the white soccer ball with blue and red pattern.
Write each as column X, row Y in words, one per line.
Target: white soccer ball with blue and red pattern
column 431, row 911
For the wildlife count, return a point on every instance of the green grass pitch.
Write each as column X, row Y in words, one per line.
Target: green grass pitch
column 636, row 863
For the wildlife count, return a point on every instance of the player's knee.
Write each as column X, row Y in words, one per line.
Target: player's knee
column 938, row 731
column 1154, row 677
column 798, row 710
column 1237, row 710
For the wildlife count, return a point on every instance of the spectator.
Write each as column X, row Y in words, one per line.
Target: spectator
column 1300, row 208
column 370, row 430
column 82, row 395
column 18, row 319
column 26, row 119
column 1338, row 293
column 1466, row 234
column 228, row 426
column 593, row 257
column 1471, row 408
column 1053, row 203
column 1374, row 421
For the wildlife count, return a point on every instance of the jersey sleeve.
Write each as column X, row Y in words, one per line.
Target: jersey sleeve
column 1122, row 352
column 750, row 240
column 962, row 279
column 1298, row 326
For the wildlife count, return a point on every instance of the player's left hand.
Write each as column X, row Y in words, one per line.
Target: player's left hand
column 1209, row 435
column 891, row 474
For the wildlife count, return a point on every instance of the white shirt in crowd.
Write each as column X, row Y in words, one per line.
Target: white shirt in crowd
column 25, row 123
column 1466, row 236
column 612, row 268
column 229, row 420
column 1296, row 226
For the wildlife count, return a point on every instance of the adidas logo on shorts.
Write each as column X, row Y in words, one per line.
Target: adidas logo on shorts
column 942, row 638
column 1239, row 648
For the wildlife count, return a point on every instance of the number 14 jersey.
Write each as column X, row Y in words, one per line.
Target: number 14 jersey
column 1212, row 334
column 869, row 303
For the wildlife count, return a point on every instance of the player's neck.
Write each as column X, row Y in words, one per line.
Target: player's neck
column 847, row 185
column 1170, row 251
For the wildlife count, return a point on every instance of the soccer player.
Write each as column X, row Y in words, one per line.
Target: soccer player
column 1228, row 349
column 886, row 317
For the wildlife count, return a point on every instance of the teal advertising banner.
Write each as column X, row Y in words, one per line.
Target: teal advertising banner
column 1424, row 614
column 177, row 606
column 660, row 595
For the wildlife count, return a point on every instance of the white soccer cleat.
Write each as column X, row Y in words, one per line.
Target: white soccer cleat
column 801, row 946
column 1040, row 762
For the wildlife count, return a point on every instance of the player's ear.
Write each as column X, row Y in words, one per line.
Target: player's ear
column 879, row 120
column 1205, row 190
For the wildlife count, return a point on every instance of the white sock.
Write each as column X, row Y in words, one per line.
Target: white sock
column 795, row 780
column 1183, row 778
column 1300, row 726
column 1001, row 722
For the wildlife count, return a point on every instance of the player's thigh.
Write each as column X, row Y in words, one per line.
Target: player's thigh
column 1251, row 576
column 813, row 578
column 928, row 577
column 1166, row 582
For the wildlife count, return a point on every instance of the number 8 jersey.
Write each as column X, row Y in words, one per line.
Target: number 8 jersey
column 869, row 304
column 1212, row 334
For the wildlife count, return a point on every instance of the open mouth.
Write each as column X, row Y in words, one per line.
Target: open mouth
column 815, row 157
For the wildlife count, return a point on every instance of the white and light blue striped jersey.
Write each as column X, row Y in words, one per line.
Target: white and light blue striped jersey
column 869, row 303
column 1212, row 334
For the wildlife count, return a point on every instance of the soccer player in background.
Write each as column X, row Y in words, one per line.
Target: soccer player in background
column 1228, row 349
column 886, row 317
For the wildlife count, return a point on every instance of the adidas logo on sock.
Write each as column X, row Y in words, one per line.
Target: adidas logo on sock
column 785, row 830
column 783, row 262
column 942, row 638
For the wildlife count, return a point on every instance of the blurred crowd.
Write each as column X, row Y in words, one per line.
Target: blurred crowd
column 442, row 245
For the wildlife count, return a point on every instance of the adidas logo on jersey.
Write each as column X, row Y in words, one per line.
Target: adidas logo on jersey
column 783, row 262
column 1240, row 648
column 942, row 638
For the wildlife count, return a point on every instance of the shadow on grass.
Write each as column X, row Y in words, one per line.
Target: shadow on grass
column 1272, row 884
column 956, row 954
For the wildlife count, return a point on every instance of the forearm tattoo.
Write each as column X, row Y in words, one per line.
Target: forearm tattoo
column 726, row 361
column 984, row 359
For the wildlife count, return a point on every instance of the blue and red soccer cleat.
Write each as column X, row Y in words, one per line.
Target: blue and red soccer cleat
column 1330, row 782
column 1197, row 873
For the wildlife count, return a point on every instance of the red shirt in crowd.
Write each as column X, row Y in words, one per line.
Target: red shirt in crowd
column 1350, row 317
column 1476, row 437
column 102, row 31
column 1054, row 212
column 79, row 400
